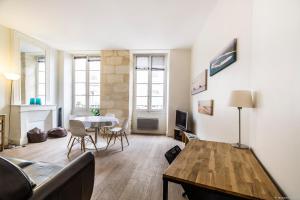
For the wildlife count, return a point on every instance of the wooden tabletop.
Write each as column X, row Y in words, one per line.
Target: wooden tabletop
column 221, row 167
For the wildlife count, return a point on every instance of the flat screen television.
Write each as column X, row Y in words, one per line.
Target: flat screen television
column 181, row 119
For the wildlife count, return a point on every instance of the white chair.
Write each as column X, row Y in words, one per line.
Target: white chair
column 105, row 128
column 118, row 132
column 79, row 135
column 90, row 129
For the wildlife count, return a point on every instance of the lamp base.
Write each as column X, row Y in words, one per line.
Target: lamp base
column 240, row 146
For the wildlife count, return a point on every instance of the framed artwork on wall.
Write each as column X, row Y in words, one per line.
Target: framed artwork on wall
column 224, row 59
column 200, row 83
column 206, row 107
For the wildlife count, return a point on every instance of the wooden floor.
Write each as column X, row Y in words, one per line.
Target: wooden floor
column 134, row 174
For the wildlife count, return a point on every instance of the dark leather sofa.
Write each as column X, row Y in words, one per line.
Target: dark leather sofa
column 21, row 179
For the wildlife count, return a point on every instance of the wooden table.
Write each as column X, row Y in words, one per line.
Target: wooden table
column 222, row 169
column 97, row 122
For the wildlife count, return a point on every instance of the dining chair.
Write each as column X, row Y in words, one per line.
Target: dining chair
column 79, row 135
column 106, row 127
column 118, row 132
column 90, row 129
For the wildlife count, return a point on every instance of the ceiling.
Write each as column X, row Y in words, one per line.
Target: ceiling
column 108, row 24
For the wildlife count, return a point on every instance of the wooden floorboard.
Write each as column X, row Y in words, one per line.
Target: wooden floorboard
column 135, row 173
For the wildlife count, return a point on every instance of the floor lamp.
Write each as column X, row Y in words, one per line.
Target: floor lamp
column 240, row 99
column 12, row 77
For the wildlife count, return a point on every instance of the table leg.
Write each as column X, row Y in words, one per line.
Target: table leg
column 96, row 135
column 99, row 144
column 165, row 189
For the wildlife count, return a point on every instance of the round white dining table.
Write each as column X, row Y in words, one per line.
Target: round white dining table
column 96, row 122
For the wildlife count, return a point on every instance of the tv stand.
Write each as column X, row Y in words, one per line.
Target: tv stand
column 184, row 136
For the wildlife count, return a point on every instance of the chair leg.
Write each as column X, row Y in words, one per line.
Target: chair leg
column 71, row 146
column 121, row 141
column 109, row 141
column 93, row 142
column 69, row 141
column 115, row 139
column 126, row 137
column 83, row 143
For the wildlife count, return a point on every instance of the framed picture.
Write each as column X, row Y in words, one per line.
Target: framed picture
column 206, row 107
column 224, row 59
column 200, row 83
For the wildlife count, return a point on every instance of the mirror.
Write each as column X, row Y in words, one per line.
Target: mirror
column 33, row 72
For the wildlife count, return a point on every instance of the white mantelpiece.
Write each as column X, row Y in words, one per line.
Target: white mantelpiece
column 27, row 117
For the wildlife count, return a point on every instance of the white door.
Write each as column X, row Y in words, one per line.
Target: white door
column 149, row 107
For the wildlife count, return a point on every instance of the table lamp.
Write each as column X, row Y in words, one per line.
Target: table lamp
column 240, row 99
column 12, row 77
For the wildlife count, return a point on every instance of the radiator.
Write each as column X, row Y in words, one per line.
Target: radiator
column 147, row 124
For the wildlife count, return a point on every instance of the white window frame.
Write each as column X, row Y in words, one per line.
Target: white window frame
column 149, row 103
column 85, row 110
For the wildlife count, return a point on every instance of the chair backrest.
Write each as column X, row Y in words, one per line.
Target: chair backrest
column 125, row 125
column 172, row 154
column 110, row 115
column 77, row 128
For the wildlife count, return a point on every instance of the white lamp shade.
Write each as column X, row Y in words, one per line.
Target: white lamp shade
column 12, row 76
column 241, row 98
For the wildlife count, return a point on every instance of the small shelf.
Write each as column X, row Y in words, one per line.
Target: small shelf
column 2, row 131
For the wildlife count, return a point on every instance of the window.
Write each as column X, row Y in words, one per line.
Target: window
column 41, row 79
column 150, row 82
column 86, row 86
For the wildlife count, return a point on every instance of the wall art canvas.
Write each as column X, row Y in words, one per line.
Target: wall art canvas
column 223, row 60
column 200, row 83
column 206, row 107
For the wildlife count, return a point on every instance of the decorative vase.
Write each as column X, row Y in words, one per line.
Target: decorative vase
column 32, row 101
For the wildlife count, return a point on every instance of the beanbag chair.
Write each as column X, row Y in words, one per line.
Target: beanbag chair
column 36, row 135
column 57, row 132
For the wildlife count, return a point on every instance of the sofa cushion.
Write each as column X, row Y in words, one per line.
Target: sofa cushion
column 21, row 163
column 41, row 172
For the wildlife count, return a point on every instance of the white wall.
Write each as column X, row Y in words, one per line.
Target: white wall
column 65, row 86
column 229, row 19
column 5, row 61
column 179, row 84
column 268, row 52
column 275, row 127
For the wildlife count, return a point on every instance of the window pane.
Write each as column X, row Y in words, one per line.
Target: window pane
column 80, row 76
column 80, row 63
column 94, row 65
column 142, row 62
column 158, row 62
column 142, row 76
column 95, row 89
column 80, row 89
column 157, row 103
column 157, row 76
column 141, row 89
column 94, row 76
column 94, row 101
column 42, row 66
column 157, row 90
column 42, row 77
column 42, row 89
column 80, row 101
column 141, row 103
